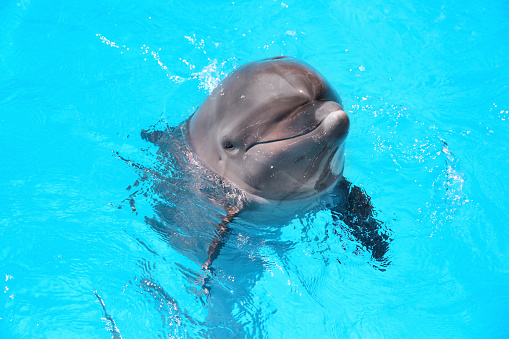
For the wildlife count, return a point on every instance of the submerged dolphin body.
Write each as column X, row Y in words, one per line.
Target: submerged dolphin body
column 270, row 134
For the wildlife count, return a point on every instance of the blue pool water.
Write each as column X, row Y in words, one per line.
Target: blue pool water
column 426, row 88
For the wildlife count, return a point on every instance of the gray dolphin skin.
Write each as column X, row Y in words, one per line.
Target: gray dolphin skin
column 275, row 128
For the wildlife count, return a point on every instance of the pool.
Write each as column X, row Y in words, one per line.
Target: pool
column 426, row 89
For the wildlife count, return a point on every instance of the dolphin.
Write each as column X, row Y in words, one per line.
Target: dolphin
column 271, row 133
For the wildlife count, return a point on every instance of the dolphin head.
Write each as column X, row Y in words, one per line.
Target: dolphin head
column 275, row 128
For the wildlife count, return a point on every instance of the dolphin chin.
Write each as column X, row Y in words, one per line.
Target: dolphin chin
column 274, row 128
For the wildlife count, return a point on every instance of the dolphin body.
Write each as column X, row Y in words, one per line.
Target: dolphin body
column 271, row 134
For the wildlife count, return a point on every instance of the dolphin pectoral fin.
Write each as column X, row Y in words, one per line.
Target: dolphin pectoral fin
column 354, row 210
column 216, row 245
column 219, row 241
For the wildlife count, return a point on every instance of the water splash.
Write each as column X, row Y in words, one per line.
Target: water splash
column 210, row 76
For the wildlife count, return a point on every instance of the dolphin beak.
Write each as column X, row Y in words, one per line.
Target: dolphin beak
column 335, row 125
column 325, row 121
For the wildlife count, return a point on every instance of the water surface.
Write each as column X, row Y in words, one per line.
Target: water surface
column 425, row 85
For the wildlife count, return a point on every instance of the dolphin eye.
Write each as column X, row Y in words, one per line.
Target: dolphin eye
column 227, row 145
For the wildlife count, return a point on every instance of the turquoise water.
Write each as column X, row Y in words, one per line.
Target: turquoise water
column 426, row 88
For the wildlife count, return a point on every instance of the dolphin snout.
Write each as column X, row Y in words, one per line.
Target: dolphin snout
column 336, row 124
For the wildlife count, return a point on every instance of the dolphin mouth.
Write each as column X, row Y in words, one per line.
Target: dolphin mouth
column 331, row 127
column 287, row 138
